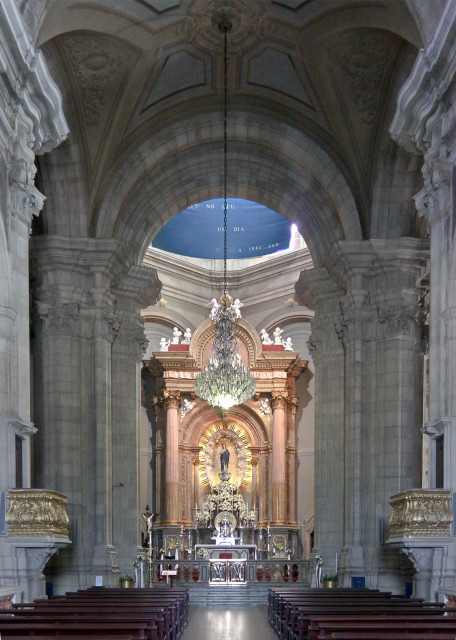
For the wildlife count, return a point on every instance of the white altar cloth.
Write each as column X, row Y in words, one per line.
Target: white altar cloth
column 238, row 551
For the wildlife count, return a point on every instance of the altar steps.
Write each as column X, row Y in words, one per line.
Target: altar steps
column 229, row 595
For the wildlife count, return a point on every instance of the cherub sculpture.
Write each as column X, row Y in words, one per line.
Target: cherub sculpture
column 164, row 344
column 265, row 339
column 277, row 333
column 215, row 308
column 187, row 336
column 236, row 307
column 176, row 335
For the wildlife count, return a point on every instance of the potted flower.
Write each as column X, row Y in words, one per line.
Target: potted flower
column 126, row 581
column 330, row 582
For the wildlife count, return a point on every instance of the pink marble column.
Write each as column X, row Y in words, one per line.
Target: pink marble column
column 171, row 402
column 196, row 483
column 279, row 475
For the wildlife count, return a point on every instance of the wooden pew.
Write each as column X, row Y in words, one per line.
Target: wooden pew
column 141, row 613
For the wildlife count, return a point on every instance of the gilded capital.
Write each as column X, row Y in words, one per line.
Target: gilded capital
column 171, row 399
column 279, row 400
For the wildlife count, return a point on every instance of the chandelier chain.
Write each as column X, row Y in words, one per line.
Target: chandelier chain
column 225, row 154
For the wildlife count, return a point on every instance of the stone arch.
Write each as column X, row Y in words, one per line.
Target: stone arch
column 181, row 164
column 198, row 419
column 243, row 331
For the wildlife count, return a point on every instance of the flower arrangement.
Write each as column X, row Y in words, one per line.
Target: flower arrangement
column 318, row 560
column 330, row 578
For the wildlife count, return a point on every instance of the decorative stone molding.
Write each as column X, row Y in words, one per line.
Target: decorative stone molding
column 36, row 513
column 421, row 512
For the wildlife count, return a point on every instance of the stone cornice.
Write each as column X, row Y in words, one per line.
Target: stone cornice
column 420, row 101
column 32, row 90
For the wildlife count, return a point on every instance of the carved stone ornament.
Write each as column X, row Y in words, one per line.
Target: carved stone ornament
column 95, row 61
column 247, row 18
column 37, row 513
column 364, row 62
column 421, row 512
column 264, row 406
column 435, row 199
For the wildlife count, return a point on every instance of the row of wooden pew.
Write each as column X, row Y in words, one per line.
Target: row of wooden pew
column 98, row 613
column 356, row 614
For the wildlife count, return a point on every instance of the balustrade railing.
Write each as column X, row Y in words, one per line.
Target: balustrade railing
column 256, row 571
column 420, row 513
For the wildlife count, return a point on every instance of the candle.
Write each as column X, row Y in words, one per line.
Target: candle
column 337, row 562
column 142, row 574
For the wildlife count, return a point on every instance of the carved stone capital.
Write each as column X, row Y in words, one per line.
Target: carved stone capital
column 59, row 320
column 111, row 324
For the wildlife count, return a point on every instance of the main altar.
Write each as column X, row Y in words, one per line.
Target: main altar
column 224, row 491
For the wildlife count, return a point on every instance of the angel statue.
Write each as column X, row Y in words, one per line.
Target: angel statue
column 164, row 344
column 187, row 336
column 287, row 345
column 176, row 335
column 277, row 333
column 236, row 307
column 265, row 339
column 215, row 308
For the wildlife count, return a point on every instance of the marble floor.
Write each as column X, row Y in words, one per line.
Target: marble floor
column 218, row 623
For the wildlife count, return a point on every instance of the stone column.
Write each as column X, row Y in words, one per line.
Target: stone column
column 279, row 477
column 291, row 453
column 317, row 290
column 380, row 331
column 172, row 402
column 133, row 290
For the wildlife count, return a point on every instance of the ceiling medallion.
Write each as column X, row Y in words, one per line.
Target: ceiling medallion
column 247, row 18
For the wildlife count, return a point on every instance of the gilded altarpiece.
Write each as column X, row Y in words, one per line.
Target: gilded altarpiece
column 258, row 437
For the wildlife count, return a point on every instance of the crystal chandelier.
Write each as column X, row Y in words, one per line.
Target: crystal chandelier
column 225, row 382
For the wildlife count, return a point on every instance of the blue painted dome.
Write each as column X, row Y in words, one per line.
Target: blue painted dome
column 253, row 230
